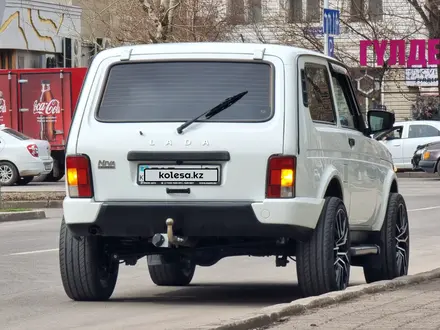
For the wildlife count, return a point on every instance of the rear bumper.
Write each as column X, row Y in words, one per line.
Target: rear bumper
column 35, row 168
column 294, row 218
column 428, row 165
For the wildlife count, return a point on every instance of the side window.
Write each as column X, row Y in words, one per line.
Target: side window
column 345, row 115
column 394, row 134
column 418, row 131
column 319, row 93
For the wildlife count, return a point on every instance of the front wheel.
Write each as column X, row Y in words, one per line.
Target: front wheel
column 323, row 262
column 176, row 271
column 87, row 272
column 393, row 260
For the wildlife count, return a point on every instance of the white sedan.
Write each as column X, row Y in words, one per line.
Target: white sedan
column 22, row 158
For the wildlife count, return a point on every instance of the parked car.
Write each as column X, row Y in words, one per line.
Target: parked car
column 50, row 93
column 418, row 155
column 22, row 158
column 429, row 156
column 406, row 136
column 241, row 152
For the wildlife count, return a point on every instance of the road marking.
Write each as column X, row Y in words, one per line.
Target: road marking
column 31, row 252
column 425, row 209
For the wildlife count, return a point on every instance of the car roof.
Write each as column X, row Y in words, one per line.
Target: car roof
column 418, row 122
column 283, row 51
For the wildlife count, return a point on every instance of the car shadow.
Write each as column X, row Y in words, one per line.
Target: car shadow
column 236, row 294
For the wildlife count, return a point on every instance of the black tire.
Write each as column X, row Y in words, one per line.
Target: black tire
column 170, row 272
column 24, row 180
column 60, row 172
column 316, row 258
column 437, row 168
column 9, row 172
column 385, row 266
column 86, row 272
column 51, row 178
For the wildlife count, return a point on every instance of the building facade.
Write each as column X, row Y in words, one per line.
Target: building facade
column 33, row 32
column 298, row 22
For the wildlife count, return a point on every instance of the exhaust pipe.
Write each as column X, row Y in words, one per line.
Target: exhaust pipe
column 94, row 230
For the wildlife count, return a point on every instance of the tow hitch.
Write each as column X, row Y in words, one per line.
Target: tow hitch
column 169, row 239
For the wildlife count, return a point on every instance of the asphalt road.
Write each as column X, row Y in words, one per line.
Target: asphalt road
column 32, row 297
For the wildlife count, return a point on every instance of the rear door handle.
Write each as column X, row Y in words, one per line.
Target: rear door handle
column 351, row 142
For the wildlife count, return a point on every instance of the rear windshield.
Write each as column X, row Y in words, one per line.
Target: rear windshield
column 178, row 91
column 16, row 134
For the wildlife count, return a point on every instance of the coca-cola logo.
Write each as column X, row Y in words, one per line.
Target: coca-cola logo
column 47, row 108
column 2, row 105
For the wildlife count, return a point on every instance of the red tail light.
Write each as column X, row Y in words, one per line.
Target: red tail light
column 33, row 150
column 281, row 174
column 78, row 176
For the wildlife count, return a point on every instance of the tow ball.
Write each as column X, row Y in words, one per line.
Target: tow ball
column 169, row 239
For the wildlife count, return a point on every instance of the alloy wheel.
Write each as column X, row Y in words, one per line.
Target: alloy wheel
column 5, row 173
column 402, row 241
column 341, row 250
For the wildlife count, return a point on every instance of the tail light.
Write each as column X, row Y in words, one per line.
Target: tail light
column 281, row 174
column 33, row 150
column 78, row 176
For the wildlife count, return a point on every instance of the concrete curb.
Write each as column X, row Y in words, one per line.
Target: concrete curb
column 42, row 204
column 423, row 175
column 272, row 314
column 22, row 215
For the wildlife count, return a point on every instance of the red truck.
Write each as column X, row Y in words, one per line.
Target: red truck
column 40, row 103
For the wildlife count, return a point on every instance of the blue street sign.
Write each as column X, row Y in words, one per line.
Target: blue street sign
column 331, row 21
column 314, row 31
column 331, row 46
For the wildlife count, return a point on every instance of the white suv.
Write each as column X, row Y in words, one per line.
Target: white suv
column 189, row 153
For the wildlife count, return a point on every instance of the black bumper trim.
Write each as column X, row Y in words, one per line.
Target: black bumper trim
column 427, row 165
column 181, row 156
column 208, row 219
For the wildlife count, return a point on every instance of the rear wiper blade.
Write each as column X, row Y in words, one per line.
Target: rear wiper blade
column 212, row 112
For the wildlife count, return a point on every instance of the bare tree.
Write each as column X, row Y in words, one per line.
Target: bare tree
column 158, row 21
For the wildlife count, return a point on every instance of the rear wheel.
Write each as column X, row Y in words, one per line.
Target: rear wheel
column 8, row 173
column 323, row 262
column 24, row 180
column 172, row 272
column 57, row 172
column 87, row 272
column 393, row 260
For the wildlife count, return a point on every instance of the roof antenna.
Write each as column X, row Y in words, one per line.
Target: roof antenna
column 242, row 38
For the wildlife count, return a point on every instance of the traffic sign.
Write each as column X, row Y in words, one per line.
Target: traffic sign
column 331, row 21
column 331, row 46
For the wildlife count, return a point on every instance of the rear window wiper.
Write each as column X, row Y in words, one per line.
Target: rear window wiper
column 212, row 112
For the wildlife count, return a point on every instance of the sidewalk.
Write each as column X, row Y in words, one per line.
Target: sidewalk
column 415, row 307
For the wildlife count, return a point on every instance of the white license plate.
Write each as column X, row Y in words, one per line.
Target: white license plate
column 47, row 167
column 179, row 175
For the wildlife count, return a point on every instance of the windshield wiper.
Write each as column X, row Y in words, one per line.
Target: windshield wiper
column 211, row 113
